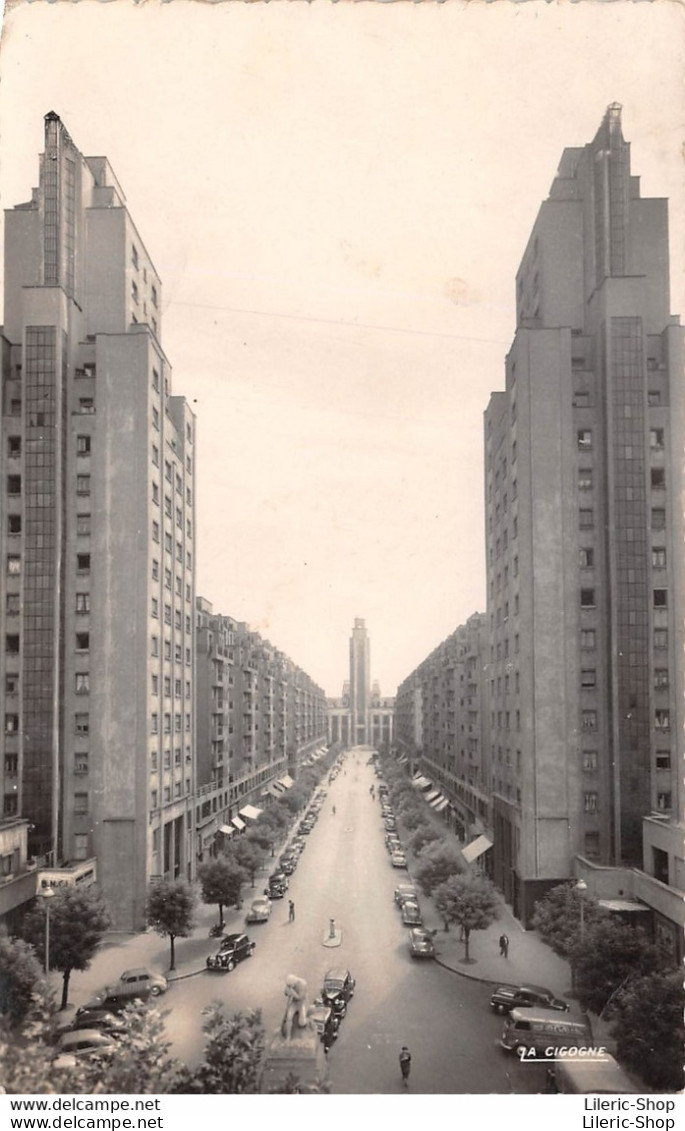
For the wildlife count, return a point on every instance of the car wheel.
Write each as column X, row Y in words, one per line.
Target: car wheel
column 155, row 991
column 230, row 965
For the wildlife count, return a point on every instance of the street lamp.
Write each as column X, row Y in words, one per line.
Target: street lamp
column 47, row 894
column 581, row 888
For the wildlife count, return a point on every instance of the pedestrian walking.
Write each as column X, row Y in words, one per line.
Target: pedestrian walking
column 291, row 911
column 504, row 946
column 334, row 810
column 405, row 1065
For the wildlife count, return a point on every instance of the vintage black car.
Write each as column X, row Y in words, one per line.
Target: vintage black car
column 326, row 1022
column 338, row 988
column 421, row 943
column 234, row 948
column 505, row 998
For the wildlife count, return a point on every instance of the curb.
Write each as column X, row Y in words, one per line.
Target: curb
column 463, row 974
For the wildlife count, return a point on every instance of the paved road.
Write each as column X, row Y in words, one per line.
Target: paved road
column 345, row 874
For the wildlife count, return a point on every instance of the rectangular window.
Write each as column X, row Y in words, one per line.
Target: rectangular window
column 588, row 720
column 658, row 518
column 83, row 484
column 155, row 531
column 155, row 607
column 80, row 804
column 82, row 641
column 586, row 519
column 662, row 719
column 81, row 762
column 590, row 760
column 588, row 638
column 154, row 724
column 86, row 406
column 155, row 455
column 155, row 494
column 658, row 478
column 83, row 445
column 656, row 439
column 660, row 638
column 14, row 485
column 83, row 602
column 154, row 645
column 660, row 677
column 82, row 683
column 13, row 564
column 83, row 524
column 584, row 439
column 11, row 724
column 663, row 800
column 663, row 759
column 587, row 599
column 660, row 598
column 134, row 255
column 80, row 846
column 658, row 557
column 14, row 446
column 13, row 604
column 11, row 683
column 587, row 557
column 82, row 724
column 155, row 418
column 588, row 678
column 590, row 802
column 585, row 479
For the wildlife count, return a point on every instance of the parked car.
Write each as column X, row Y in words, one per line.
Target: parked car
column 82, row 1044
column 234, row 949
column 411, row 913
column 259, row 911
column 421, row 943
column 279, row 877
column 390, row 824
column 338, row 988
column 305, row 827
column 398, row 860
column 137, row 983
column 288, row 863
column 101, row 1019
column 275, row 890
column 326, row 1022
column 393, row 842
column 404, row 892
column 505, row 998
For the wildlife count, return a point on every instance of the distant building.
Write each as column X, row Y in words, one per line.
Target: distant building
column 259, row 718
column 584, row 549
column 361, row 716
column 97, row 539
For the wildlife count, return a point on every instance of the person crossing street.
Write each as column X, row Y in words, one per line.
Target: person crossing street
column 405, row 1065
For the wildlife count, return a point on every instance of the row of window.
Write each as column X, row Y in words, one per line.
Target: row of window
column 155, row 460
column 662, row 719
column 166, row 795
column 178, row 650
column 178, row 687
column 169, row 544
column 584, row 439
column 167, row 728
column 659, row 598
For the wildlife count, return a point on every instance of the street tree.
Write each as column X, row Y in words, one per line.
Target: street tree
column 437, row 863
column 248, row 855
column 170, row 906
column 20, row 977
column 557, row 917
column 470, row 901
column 607, row 955
column 141, row 1064
column 232, row 1055
column 78, row 920
column 649, row 1029
column 27, row 1053
column 412, row 814
column 220, row 882
column 423, row 835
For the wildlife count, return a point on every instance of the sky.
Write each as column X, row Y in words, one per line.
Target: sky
column 337, row 198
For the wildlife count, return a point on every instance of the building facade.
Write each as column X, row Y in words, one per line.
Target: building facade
column 581, row 505
column 361, row 716
column 97, row 535
column 441, row 726
column 259, row 718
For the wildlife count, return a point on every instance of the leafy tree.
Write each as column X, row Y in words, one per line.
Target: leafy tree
column 140, row 1065
column 232, row 1055
column 78, row 920
column 470, row 901
column 27, row 1051
column 608, row 954
column 557, row 917
column 248, row 855
column 437, row 863
column 20, row 977
column 293, row 800
column 412, row 815
column 424, row 834
column 220, row 882
column 170, row 912
column 649, row 1029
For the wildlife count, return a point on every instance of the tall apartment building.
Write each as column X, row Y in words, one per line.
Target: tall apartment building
column 361, row 716
column 441, row 725
column 581, row 500
column 259, row 717
column 96, row 514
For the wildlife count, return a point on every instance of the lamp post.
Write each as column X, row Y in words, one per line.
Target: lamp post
column 47, row 894
column 581, row 888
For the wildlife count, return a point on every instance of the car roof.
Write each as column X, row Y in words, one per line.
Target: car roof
column 76, row 1035
column 337, row 972
column 233, row 937
column 138, row 970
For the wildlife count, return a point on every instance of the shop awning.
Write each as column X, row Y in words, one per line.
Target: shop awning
column 441, row 804
column 476, row 848
column 237, row 822
column 422, row 783
column 433, row 794
column 436, row 800
column 287, row 781
column 251, row 812
column 275, row 789
column 226, row 830
column 416, row 776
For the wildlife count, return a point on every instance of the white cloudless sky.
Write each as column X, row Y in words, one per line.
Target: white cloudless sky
column 337, row 198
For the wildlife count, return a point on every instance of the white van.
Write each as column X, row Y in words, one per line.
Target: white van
column 544, row 1032
column 575, row 1075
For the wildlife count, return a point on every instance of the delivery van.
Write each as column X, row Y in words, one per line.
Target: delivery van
column 543, row 1032
column 577, row 1075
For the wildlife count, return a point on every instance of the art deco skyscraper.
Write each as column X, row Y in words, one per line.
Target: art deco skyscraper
column 97, row 536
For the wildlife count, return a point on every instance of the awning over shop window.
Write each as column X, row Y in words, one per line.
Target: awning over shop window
column 287, row 781
column 237, row 822
column 275, row 789
column 433, row 794
column 436, row 801
column 421, row 783
column 476, row 848
column 440, row 805
column 226, row 830
column 250, row 812
column 402, row 761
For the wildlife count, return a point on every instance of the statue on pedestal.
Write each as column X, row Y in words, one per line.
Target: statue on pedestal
column 297, row 1008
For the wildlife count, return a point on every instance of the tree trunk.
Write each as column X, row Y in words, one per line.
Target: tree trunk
column 221, row 914
column 65, row 988
column 467, row 933
column 447, row 925
column 172, row 963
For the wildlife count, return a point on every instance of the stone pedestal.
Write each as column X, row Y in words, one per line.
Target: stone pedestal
column 302, row 1056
